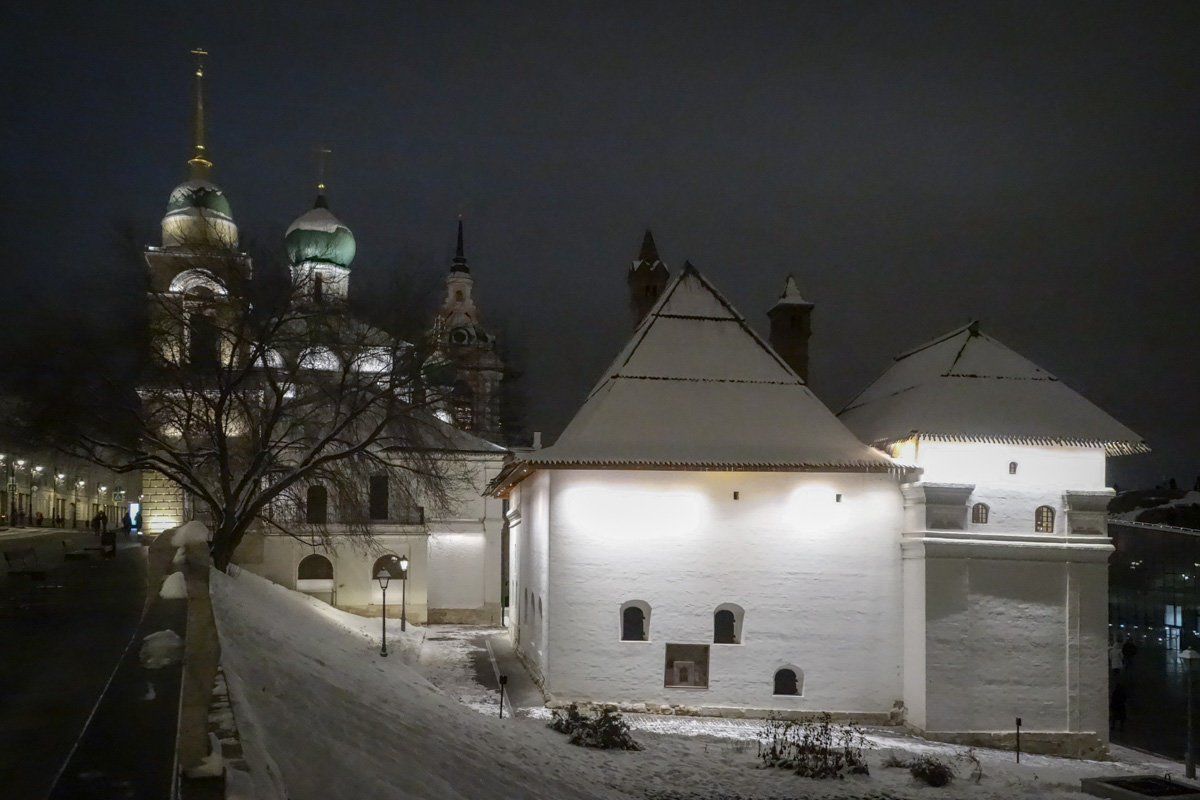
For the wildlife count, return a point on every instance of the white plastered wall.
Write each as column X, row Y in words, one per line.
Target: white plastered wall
column 819, row 581
column 1002, row 621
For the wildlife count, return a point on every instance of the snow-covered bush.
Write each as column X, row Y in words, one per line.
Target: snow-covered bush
column 931, row 771
column 813, row 748
column 607, row 731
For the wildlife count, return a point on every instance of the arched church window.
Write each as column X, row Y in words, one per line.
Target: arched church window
column 458, row 295
column 979, row 513
column 635, row 621
column 789, row 680
column 314, row 575
column 314, row 567
column 316, row 505
column 1012, row 468
column 1043, row 519
column 727, row 624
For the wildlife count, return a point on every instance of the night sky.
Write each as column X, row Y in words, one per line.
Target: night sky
column 916, row 166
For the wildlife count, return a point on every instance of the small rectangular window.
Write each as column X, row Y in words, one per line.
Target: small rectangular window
column 687, row 666
column 379, row 497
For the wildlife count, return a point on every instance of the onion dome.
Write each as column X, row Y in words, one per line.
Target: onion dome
column 198, row 214
column 318, row 236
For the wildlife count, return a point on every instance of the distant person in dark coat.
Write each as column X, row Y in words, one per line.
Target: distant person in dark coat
column 1128, row 651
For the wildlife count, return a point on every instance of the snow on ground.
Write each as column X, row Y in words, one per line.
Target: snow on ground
column 324, row 716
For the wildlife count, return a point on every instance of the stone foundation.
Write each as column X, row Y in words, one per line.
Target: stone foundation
column 1052, row 743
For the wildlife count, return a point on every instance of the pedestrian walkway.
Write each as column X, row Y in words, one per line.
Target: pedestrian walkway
column 457, row 659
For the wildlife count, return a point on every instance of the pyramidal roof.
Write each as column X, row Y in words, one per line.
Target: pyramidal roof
column 966, row 386
column 696, row 388
column 790, row 296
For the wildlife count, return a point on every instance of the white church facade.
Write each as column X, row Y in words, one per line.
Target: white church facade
column 707, row 537
column 454, row 554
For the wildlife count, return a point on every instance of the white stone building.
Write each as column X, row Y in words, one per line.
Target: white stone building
column 706, row 535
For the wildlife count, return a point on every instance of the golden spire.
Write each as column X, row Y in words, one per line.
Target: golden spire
column 198, row 164
column 322, row 159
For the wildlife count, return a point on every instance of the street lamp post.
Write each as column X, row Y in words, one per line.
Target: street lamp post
column 403, row 589
column 383, row 576
column 1189, row 759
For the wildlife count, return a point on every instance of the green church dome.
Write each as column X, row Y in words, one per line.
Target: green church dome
column 198, row 213
column 317, row 235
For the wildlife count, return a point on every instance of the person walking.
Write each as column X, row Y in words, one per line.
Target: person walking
column 103, row 522
column 1116, row 661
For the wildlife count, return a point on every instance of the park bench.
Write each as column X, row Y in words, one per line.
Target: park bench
column 24, row 561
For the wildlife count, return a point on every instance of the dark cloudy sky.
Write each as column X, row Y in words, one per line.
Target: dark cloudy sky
column 915, row 165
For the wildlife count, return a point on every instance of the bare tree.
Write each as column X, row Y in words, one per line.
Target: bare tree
column 245, row 407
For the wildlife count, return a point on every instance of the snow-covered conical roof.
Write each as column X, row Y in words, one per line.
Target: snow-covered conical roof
column 967, row 386
column 696, row 388
column 790, row 296
column 319, row 236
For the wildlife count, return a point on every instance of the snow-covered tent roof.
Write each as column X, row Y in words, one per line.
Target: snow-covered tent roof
column 696, row 388
column 966, row 386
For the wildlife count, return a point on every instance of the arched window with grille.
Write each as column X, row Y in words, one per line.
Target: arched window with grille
column 316, row 505
column 789, row 681
column 979, row 513
column 635, row 621
column 1043, row 519
column 1012, row 468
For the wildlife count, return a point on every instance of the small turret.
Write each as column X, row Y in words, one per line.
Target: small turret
column 647, row 278
column 791, row 326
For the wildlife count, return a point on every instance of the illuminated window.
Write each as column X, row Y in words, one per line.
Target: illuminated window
column 789, row 680
column 378, row 497
column 686, row 667
column 727, row 624
column 1012, row 468
column 979, row 513
column 635, row 621
column 1043, row 519
column 316, row 505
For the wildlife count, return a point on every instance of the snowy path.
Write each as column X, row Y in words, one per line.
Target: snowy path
column 338, row 721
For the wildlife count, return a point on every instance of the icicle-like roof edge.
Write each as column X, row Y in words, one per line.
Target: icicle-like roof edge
column 1111, row 447
column 518, row 471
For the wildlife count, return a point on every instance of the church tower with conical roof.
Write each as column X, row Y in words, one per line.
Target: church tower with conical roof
column 470, row 370
column 647, row 278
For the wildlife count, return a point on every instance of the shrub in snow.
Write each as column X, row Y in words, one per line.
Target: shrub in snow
column 813, row 748
column 931, row 771
column 607, row 731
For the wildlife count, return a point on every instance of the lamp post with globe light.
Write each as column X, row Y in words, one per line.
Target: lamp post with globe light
column 383, row 576
column 403, row 589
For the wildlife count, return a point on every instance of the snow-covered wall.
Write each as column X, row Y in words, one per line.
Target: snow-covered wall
column 811, row 560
